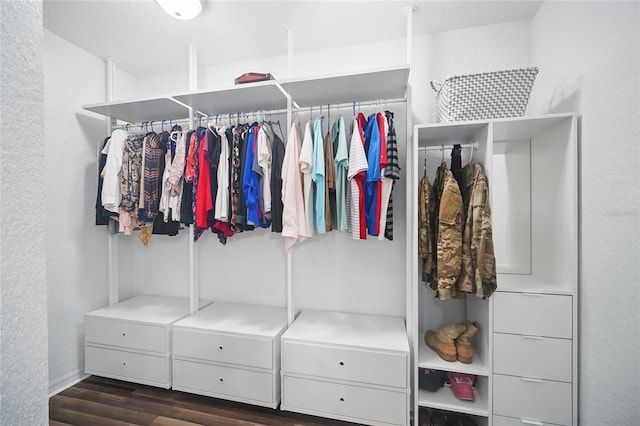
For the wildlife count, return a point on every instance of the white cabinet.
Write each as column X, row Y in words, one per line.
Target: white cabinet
column 525, row 353
column 350, row 367
column 131, row 340
column 230, row 351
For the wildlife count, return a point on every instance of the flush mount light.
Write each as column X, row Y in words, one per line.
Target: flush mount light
column 182, row 9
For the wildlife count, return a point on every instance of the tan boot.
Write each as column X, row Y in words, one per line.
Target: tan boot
column 463, row 343
column 442, row 340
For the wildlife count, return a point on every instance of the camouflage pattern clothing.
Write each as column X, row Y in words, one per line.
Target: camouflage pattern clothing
column 478, row 260
column 426, row 234
column 449, row 237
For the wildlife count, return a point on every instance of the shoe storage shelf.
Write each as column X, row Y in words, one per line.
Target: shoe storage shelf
column 131, row 340
column 525, row 350
column 230, row 351
column 349, row 367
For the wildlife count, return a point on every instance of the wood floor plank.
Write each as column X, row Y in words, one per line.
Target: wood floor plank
column 98, row 400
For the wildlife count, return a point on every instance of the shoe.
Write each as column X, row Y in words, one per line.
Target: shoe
column 438, row 418
column 442, row 340
column 424, row 417
column 464, row 351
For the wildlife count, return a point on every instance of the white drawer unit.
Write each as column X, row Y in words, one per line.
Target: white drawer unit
column 347, row 366
column 532, row 399
column 510, row 421
column 533, row 356
column 130, row 366
column 131, row 340
column 230, row 351
column 534, row 314
column 253, row 387
column 345, row 402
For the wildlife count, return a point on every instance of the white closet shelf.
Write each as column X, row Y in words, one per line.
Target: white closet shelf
column 427, row 358
column 379, row 83
column 260, row 96
column 140, row 110
column 444, row 399
column 531, row 284
column 148, row 309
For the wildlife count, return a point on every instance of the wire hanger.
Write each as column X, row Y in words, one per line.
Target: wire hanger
column 424, row 169
column 442, row 151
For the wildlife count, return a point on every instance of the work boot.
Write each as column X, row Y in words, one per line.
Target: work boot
column 442, row 340
column 463, row 343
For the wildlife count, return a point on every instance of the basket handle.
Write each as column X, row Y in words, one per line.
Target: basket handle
column 435, row 83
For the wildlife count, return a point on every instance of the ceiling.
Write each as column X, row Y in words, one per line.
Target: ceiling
column 144, row 40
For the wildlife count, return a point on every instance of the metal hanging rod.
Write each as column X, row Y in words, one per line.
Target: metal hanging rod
column 473, row 146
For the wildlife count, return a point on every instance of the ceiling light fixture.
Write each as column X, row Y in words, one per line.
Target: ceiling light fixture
column 182, row 9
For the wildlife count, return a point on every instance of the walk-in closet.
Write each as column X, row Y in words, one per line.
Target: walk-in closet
column 319, row 213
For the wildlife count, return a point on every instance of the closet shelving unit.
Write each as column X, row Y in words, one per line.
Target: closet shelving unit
column 525, row 353
column 242, row 329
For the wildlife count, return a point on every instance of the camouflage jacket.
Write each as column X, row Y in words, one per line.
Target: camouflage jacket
column 426, row 234
column 478, row 262
column 449, row 227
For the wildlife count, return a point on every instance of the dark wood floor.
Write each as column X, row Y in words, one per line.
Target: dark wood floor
column 99, row 401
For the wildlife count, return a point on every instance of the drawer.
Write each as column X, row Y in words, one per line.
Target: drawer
column 345, row 402
column 509, row 421
column 532, row 356
column 533, row 314
column 124, row 334
column 240, row 350
column 133, row 367
column 219, row 381
column 379, row 368
column 532, row 399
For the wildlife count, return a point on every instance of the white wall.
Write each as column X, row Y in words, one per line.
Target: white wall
column 76, row 248
column 588, row 53
column 23, row 289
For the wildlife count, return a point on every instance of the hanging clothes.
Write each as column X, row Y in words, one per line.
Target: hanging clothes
column 330, row 183
column 294, row 218
column 202, row 201
column 356, row 220
column 341, row 164
column 186, row 210
column 306, row 161
column 111, row 178
column 130, row 177
column 263, row 161
column 391, row 171
column 426, row 234
column 449, row 233
column 478, row 260
column 277, row 161
column 102, row 215
column 251, row 182
column 153, row 171
column 372, row 140
column 235, row 176
column 318, row 176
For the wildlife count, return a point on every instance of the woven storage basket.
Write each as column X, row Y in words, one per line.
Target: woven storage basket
column 496, row 94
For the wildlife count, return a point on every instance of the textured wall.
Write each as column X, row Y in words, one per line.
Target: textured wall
column 23, row 300
column 588, row 53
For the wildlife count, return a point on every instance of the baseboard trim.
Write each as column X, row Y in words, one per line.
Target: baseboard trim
column 66, row 381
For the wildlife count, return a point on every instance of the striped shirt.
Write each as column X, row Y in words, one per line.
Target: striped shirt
column 357, row 171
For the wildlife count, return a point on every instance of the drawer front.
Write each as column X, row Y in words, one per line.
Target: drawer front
column 148, row 369
column 535, row 400
column 216, row 380
column 532, row 356
column 127, row 335
column 379, row 368
column 509, row 421
column 534, row 314
column 375, row 405
column 240, row 350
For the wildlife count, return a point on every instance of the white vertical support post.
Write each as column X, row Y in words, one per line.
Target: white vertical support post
column 193, row 264
column 411, row 293
column 290, row 307
column 290, row 43
column 112, row 240
column 409, row 11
